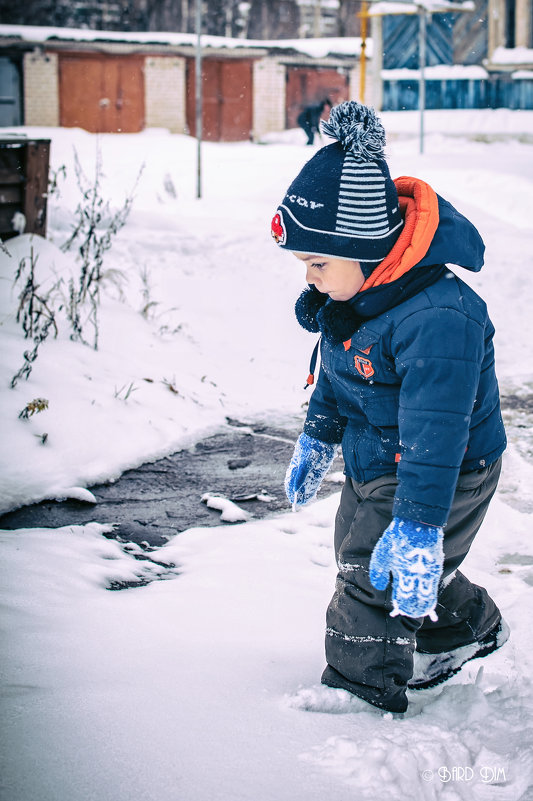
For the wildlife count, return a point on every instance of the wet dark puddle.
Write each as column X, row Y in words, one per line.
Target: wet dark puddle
column 151, row 503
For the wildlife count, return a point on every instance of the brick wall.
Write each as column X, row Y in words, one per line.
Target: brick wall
column 269, row 97
column 41, row 89
column 164, row 86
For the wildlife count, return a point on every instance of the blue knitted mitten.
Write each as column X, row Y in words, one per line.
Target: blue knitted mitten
column 413, row 553
column 310, row 462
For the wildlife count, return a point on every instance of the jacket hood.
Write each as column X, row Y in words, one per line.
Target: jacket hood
column 434, row 233
column 456, row 241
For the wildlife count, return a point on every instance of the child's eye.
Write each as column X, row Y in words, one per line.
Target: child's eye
column 319, row 265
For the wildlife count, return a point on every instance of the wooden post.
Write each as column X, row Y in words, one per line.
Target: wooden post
column 422, row 67
column 199, row 98
column 36, row 190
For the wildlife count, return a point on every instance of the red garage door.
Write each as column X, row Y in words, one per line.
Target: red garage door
column 227, row 99
column 103, row 94
column 307, row 85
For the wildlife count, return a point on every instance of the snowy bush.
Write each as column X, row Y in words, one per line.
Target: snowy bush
column 35, row 313
column 93, row 233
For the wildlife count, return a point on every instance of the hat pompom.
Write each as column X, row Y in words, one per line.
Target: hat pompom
column 358, row 129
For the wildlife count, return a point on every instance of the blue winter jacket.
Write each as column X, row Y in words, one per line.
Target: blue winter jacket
column 413, row 392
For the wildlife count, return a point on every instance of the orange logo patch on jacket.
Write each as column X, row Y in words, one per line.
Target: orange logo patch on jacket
column 364, row 366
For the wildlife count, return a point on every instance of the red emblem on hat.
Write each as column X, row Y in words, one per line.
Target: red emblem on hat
column 277, row 229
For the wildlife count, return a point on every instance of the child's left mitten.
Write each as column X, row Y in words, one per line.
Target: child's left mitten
column 310, row 462
column 412, row 552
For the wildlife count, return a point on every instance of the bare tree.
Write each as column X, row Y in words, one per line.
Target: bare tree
column 348, row 19
column 255, row 19
column 277, row 19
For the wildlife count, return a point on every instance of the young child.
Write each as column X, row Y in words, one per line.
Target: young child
column 407, row 384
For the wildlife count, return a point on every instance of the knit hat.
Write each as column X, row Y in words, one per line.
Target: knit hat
column 343, row 203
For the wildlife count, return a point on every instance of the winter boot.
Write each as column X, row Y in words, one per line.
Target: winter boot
column 433, row 669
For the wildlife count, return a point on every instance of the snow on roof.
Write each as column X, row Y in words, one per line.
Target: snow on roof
column 333, row 4
column 384, row 8
column 514, row 55
column 526, row 75
column 316, row 48
column 440, row 72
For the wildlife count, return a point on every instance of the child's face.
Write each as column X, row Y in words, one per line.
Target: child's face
column 339, row 278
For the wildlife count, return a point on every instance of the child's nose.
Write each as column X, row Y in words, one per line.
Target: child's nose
column 310, row 278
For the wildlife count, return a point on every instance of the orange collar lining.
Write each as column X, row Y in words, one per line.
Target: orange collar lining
column 420, row 209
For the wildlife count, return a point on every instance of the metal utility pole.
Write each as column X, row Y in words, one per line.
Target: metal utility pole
column 422, row 66
column 199, row 98
column 362, row 64
column 317, row 13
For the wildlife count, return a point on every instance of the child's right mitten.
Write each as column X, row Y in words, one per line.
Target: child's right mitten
column 310, row 462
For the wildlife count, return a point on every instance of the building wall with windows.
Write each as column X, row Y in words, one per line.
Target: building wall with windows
column 510, row 24
column 126, row 82
column 495, row 38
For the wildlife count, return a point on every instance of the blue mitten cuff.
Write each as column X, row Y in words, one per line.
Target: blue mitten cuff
column 412, row 552
column 310, row 462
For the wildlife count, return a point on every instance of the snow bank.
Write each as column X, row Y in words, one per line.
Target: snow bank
column 438, row 72
column 196, row 321
column 512, row 55
column 189, row 321
column 203, row 684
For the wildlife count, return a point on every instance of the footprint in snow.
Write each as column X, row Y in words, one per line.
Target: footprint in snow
column 321, row 698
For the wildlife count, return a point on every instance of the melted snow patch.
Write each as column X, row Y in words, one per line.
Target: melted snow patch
column 75, row 559
column 72, row 493
column 231, row 513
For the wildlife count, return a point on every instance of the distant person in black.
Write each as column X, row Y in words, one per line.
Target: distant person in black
column 309, row 119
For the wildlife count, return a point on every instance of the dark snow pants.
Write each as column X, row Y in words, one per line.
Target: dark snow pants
column 308, row 127
column 370, row 653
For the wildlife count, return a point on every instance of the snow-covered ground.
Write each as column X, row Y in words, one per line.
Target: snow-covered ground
column 204, row 686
